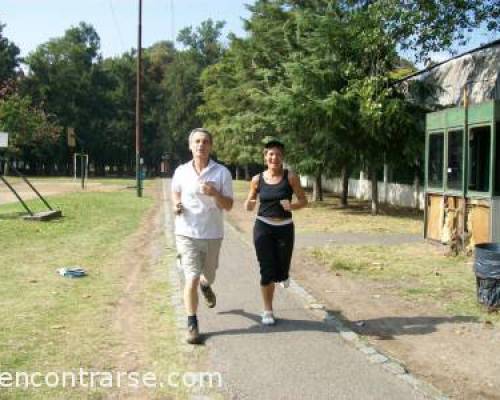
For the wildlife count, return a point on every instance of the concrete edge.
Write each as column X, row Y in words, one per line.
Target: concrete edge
column 373, row 355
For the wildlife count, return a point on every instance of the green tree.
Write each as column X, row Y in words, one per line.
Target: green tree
column 181, row 85
column 234, row 89
column 65, row 76
column 31, row 132
column 9, row 57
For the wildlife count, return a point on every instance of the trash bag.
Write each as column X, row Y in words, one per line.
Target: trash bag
column 487, row 269
column 487, row 260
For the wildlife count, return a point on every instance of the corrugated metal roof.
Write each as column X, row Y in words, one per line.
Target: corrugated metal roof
column 478, row 69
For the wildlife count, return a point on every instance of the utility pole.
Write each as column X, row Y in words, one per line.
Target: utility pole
column 138, row 107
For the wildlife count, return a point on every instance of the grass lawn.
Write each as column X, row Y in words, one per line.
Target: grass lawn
column 52, row 323
column 419, row 272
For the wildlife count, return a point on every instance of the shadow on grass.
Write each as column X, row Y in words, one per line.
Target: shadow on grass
column 384, row 328
column 13, row 215
column 388, row 328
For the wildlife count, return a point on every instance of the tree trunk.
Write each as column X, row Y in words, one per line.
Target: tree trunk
column 237, row 173
column 317, row 188
column 247, row 173
column 345, row 186
column 374, row 181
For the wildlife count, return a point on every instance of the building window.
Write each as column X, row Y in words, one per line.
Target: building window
column 479, row 158
column 435, row 167
column 455, row 159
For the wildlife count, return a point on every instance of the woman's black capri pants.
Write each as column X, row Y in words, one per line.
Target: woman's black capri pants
column 274, row 247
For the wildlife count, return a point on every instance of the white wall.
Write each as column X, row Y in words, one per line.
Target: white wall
column 396, row 194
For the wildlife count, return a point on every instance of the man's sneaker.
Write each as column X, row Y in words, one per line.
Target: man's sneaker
column 285, row 284
column 209, row 295
column 268, row 318
column 193, row 335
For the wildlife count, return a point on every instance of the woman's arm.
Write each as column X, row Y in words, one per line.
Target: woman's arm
column 251, row 200
column 298, row 191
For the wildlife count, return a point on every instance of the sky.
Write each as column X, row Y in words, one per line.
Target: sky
column 33, row 22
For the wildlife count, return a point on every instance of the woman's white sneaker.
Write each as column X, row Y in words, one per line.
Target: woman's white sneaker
column 285, row 284
column 268, row 318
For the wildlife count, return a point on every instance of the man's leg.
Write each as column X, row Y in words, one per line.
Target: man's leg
column 191, row 261
column 191, row 295
column 210, row 265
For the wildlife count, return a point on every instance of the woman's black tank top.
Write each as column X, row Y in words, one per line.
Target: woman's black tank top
column 270, row 196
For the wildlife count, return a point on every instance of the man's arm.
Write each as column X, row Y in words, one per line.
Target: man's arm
column 223, row 202
column 176, row 203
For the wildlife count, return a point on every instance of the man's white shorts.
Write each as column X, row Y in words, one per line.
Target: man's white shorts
column 198, row 257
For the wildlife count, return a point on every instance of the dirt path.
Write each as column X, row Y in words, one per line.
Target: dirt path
column 143, row 250
column 455, row 354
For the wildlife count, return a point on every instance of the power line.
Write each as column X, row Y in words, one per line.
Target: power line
column 171, row 12
column 172, row 21
column 117, row 26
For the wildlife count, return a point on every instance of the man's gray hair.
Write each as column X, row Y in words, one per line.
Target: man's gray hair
column 202, row 130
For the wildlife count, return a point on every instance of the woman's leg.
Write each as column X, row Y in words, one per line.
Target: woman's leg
column 266, row 254
column 285, row 237
column 267, row 296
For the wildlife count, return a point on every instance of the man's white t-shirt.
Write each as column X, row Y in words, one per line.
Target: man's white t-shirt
column 201, row 218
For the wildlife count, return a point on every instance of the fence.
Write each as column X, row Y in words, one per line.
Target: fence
column 396, row 194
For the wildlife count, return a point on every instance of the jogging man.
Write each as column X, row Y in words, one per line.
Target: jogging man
column 201, row 190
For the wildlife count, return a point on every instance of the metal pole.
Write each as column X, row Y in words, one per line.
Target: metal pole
column 32, row 188
column 138, row 106
column 17, row 195
column 82, row 170
column 465, row 166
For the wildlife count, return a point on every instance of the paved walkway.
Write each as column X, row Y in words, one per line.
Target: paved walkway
column 315, row 239
column 300, row 357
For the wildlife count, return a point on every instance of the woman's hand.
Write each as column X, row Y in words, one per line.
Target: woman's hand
column 250, row 204
column 287, row 206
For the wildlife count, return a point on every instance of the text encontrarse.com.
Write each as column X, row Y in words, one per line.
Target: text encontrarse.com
column 108, row 379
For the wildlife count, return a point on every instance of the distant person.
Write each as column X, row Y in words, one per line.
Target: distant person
column 201, row 190
column 274, row 229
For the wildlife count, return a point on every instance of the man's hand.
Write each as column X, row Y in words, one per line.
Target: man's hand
column 223, row 202
column 209, row 189
column 178, row 208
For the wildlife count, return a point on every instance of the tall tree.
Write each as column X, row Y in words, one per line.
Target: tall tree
column 32, row 133
column 182, row 86
column 9, row 57
column 65, row 76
